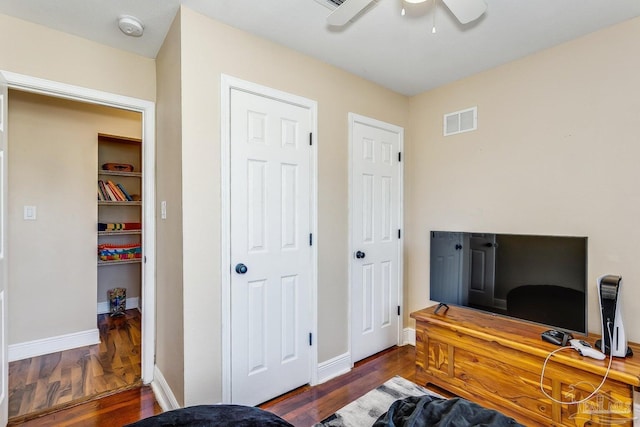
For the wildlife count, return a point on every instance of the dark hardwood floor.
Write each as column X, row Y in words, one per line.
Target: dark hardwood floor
column 42, row 384
column 301, row 407
column 112, row 411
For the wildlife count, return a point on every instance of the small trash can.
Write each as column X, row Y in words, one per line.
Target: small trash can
column 117, row 301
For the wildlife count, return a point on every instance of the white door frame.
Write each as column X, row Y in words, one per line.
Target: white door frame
column 227, row 83
column 4, row 275
column 353, row 119
column 147, row 110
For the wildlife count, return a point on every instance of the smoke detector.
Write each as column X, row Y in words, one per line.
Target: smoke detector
column 130, row 25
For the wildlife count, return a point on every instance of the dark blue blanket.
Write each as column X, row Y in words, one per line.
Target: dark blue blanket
column 214, row 415
column 423, row 411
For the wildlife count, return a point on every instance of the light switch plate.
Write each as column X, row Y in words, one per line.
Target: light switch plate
column 30, row 213
column 163, row 209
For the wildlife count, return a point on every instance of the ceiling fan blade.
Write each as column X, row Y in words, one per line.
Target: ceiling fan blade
column 346, row 11
column 466, row 10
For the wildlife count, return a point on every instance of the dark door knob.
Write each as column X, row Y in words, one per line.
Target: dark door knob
column 458, row 247
column 489, row 245
column 359, row 254
column 241, row 268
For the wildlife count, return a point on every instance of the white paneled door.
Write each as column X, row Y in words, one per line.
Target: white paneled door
column 4, row 363
column 271, row 256
column 375, row 192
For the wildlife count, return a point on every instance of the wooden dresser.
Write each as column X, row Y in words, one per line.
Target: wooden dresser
column 497, row 362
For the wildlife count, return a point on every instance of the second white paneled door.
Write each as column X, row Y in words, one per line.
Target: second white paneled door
column 271, row 256
column 375, row 218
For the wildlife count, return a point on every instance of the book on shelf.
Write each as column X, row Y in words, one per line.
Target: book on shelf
column 124, row 192
column 102, row 190
column 116, row 192
column 111, row 197
column 108, row 191
column 119, row 226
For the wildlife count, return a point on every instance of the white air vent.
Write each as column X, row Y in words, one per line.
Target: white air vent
column 331, row 4
column 461, row 121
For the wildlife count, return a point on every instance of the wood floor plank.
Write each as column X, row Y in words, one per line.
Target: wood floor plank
column 49, row 364
column 33, row 372
column 76, row 383
column 27, row 399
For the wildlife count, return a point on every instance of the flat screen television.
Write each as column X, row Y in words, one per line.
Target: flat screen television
column 540, row 279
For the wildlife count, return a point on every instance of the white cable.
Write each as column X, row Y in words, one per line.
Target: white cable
column 606, row 374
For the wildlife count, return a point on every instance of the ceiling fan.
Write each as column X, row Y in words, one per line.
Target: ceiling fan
column 464, row 10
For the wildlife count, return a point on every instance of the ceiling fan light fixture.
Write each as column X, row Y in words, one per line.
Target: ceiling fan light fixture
column 465, row 11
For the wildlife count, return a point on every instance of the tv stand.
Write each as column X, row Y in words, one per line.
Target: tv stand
column 496, row 362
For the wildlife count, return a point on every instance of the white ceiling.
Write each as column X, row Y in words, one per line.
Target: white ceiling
column 397, row 52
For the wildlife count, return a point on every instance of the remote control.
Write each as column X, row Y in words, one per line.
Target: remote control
column 556, row 337
column 585, row 349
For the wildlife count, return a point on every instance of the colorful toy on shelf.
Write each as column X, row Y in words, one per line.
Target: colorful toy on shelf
column 119, row 252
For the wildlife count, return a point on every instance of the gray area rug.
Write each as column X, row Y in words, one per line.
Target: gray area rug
column 364, row 411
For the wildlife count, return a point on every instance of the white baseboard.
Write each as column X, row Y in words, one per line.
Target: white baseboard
column 34, row 348
column 162, row 391
column 334, row 367
column 409, row 336
column 103, row 307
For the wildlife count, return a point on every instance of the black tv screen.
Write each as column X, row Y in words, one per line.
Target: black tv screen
column 541, row 279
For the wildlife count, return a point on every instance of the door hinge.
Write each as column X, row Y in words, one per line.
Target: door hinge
column 145, row 259
column 399, row 156
column 398, row 310
column 310, row 239
column 310, row 339
column 399, row 233
column 310, row 139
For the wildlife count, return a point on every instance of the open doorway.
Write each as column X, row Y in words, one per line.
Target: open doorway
column 55, row 247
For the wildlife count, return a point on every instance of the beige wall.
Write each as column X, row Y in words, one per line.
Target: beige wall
column 38, row 51
column 53, row 160
column 209, row 49
column 556, row 152
column 169, row 284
